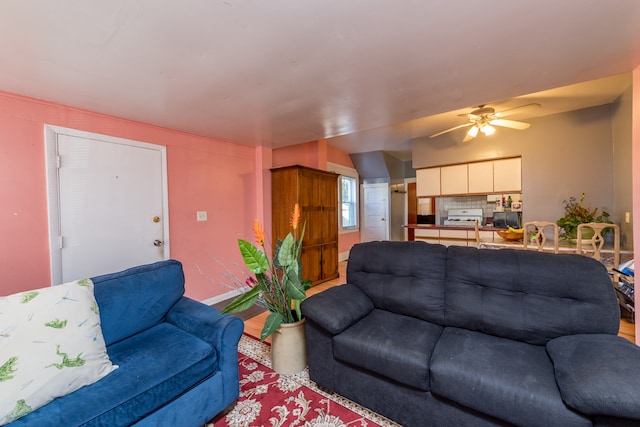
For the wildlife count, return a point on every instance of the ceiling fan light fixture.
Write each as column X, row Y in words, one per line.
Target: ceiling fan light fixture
column 488, row 130
column 484, row 119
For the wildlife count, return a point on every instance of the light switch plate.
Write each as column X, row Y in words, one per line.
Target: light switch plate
column 201, row 215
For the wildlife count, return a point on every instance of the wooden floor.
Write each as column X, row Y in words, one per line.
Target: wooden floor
column 253, row 326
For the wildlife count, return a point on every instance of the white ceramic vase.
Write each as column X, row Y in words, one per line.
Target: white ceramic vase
column 288, row 348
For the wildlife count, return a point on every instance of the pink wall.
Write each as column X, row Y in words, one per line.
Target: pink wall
column 635, row 162
column 203, row 174
column 311, row 154
column 336, row 155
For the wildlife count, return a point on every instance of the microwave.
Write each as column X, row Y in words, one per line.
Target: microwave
column 506, row 219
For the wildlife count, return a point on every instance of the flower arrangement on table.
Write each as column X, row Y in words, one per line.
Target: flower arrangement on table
column 278, row 283
column 575, row 213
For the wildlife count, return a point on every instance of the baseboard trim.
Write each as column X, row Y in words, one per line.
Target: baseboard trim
column 343, row 256
column 222, row 297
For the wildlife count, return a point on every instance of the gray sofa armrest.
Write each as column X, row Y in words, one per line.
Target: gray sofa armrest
column 597, row 374
column 337, row 308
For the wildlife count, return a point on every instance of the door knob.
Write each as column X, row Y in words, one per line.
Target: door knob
column 157, row 242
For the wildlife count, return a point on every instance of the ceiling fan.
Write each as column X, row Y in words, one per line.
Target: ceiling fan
column 483, row 119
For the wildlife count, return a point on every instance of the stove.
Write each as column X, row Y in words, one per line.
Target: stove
column 463, row 217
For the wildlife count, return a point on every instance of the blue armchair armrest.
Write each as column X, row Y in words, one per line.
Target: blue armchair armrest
column 222, row 331
column 206, row 323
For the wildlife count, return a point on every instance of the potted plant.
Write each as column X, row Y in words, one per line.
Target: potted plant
column 277, row 284
column 575, row 213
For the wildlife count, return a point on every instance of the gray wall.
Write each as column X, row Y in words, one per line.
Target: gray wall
column 563, row 155
column 377, row 167
column 622, row 164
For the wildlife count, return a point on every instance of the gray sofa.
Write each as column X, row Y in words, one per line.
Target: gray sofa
column 434, row 336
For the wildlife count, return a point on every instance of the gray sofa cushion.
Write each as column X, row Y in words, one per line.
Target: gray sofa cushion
column 511, row 380
column 598, row 374
column 529, row 296
column 401, row 277
column 395, row 346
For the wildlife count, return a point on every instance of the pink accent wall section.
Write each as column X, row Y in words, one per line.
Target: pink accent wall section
column 635, row 162
column 336, row 155
column 306, row 154
column 203, row 174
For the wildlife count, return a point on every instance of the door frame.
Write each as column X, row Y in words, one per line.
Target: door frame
column 51, row 133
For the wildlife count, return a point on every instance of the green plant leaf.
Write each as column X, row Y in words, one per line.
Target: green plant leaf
column 255, row 260
column 295, row 288
column 286, row 253
column 296, row 306
column 244, row 301
column 273, row 322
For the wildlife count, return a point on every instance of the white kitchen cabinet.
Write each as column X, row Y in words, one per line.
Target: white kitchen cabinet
column 429, row 236
column 428, row 182
column 481, row 177
column 507, row 175
column 454, row 180
column 454, row 237
column 485, row 237
column 486, row 177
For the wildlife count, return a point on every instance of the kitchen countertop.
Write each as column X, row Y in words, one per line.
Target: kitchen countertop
column 564, row 245
column 450, row 227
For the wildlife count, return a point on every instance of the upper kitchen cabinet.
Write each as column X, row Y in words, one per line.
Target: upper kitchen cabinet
column 481, row 177
column 428, row 182
column 485, row 177
column 454, row 179
column 507, row 175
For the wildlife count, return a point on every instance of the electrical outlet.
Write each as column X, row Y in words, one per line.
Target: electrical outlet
column 627, row 217
column 201, row 215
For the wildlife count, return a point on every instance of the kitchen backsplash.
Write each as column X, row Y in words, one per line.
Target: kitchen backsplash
column 443, row 204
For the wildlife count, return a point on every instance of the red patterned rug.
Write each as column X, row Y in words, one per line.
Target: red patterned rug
column 271, row 399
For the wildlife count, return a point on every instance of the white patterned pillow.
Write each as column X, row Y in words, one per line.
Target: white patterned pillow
column 50, row 345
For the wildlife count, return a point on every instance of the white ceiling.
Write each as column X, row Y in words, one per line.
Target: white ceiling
column 374, row 74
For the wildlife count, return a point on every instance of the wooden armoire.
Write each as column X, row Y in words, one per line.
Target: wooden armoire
column 316, row 192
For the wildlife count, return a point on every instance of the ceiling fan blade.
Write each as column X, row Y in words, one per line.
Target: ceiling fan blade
column 468, row 138
column 510, row 124
column 472, row 133
column 518, row 110
column 451, row 129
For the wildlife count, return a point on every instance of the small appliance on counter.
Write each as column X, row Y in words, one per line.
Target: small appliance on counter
column 507, row 219
column 426, row 219
column 463, row 217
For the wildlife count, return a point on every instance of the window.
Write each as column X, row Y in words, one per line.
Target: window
column 348, row 197
column 348, row 202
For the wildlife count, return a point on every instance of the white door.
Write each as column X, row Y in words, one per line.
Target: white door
column 375, row 212
column 110, row 198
